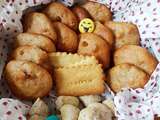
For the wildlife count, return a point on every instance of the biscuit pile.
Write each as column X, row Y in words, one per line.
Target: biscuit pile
column 72, row 47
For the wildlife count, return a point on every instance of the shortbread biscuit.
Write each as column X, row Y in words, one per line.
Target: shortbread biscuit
column 136, row 55
column 125, row 33
column 98, row 12
column 126, row 76
column 38, row 40
column 78, row 81
column 62, row 59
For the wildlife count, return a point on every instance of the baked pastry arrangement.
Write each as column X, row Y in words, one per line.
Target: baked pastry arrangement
column 75, row 51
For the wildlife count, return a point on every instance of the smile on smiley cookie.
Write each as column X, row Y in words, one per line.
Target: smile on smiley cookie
column 86, row 25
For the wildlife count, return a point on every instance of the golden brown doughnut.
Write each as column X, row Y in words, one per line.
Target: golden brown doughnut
column 92, row 44
column 35, row 40
column 125, row 33
column 126, row 76
column 58, row 12
column 98, row 12
column 80, row 12
column 67, row 38
column 30, row 53
column 104, row 32
column 27, row 80
column 136, row 55
column 39, row 23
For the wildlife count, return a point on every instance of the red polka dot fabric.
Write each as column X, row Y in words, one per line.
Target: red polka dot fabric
column 139, row 104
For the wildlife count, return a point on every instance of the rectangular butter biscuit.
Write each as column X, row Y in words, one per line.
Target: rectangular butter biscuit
column 78, row 81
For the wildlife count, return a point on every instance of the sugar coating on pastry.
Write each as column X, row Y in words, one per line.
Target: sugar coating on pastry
column 89, row 99
column 27, row 80
column 98, row 12
column 136, row 55
column 96, row 111
column 33, row 39
column 30, row 53
column 58, row 12
column 126, row 76
column 104, row 32
column 39, row 23
column 62, row 100
column 125, row 33
column 62, row 59
column 67, row 40
column 78, row 81
column 93, row 45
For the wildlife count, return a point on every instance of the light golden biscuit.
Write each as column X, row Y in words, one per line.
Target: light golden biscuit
column 36, row 117
column 81, row 13
column 30, row 53
column 125, row 33
column 39, row 23
column 58, row 12
column 67, row 39
column 62, row 59
column 27, row 80
column 98, row 12
column 104, row 32
column 136, row 55
column 126, row 76
column 93, row 45
column 78, row 81
column 35, row 40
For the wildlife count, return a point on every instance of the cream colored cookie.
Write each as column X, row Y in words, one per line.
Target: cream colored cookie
column 126, row 76
column 62, row 59
column 136, row 55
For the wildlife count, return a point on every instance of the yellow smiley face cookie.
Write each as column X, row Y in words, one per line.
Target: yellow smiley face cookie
column 86, row 25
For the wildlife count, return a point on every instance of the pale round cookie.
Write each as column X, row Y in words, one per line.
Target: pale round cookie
column 136, row 55
column 27, row 80
column 126, row 76
column 93, row 45
column 125, row 33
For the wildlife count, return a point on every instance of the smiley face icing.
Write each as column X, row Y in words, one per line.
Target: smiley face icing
column 86, row 25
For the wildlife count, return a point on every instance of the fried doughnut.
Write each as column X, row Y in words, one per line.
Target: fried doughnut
column 96, row 111
column 92, row 44
column 98, row 12
column 36, row 40
column 136, row 55
column 58, row 12
column 125, row 33
column 67, row 38
column 126, row 76
column 39, row 23
column 104, row 32
column 27, row 80
column 30, row 53
column 81, row 13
